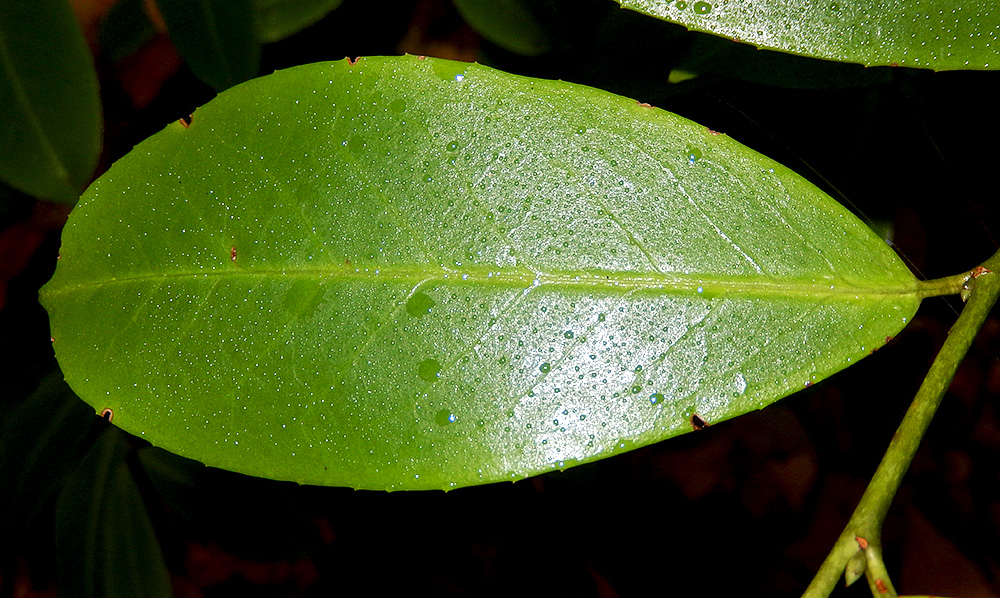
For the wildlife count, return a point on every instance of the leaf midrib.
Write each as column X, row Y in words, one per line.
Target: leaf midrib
column 666, row 283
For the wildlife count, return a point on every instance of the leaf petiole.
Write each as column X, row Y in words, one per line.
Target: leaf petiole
column 950, row 285
column 866, row 522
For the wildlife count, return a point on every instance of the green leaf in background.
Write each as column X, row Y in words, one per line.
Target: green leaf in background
column 411, row 274
column 105, row 542
column 124, row 30
column 278, row 19
column 710, row 55
column 934, row 34
column 40, row 436
column 217, row 38
column 49, row 105
column 509, row 24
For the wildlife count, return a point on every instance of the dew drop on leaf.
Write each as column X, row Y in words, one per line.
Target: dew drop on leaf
column 397, row 106
column 419, row 305
column 445, row 417
column 693, row 154
column 429, row 370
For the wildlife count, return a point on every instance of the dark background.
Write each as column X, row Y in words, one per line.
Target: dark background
column 750, row 505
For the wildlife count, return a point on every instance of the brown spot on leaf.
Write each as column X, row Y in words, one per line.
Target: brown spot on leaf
column 107, row 413
column 881, row 587
column 862, row 542
column 698, row 423
column 644, row 104
column 232, row 253
column 185, row 121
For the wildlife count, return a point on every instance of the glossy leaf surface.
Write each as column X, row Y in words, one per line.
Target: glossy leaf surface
column 49, row 105
column 410, row 273
column 934, row 34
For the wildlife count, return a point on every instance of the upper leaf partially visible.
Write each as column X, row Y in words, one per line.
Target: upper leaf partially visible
column 278, row 19
column 408, row 273
column 217, row 38
column 934, row 34
column 49, row 105
column 511, row 24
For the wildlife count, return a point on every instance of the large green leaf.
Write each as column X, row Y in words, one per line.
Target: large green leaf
column 410, row 273
column 49, row 106
column 217, row 38
column 935, row 34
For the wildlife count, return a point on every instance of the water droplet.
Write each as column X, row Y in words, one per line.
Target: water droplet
column 453, row 146
column 741, row 385
column 681, row 4
column 444, row 417
column 702, row 8
column 656, row 398
column 397, row 105
column 545, row 368
column 429, row 370
column 692, row 153
column 568, row 334
column 601, row 317
column 449, row 70
column 419, row 305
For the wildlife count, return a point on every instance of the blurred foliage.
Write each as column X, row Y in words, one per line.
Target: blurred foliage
column 48, row 101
